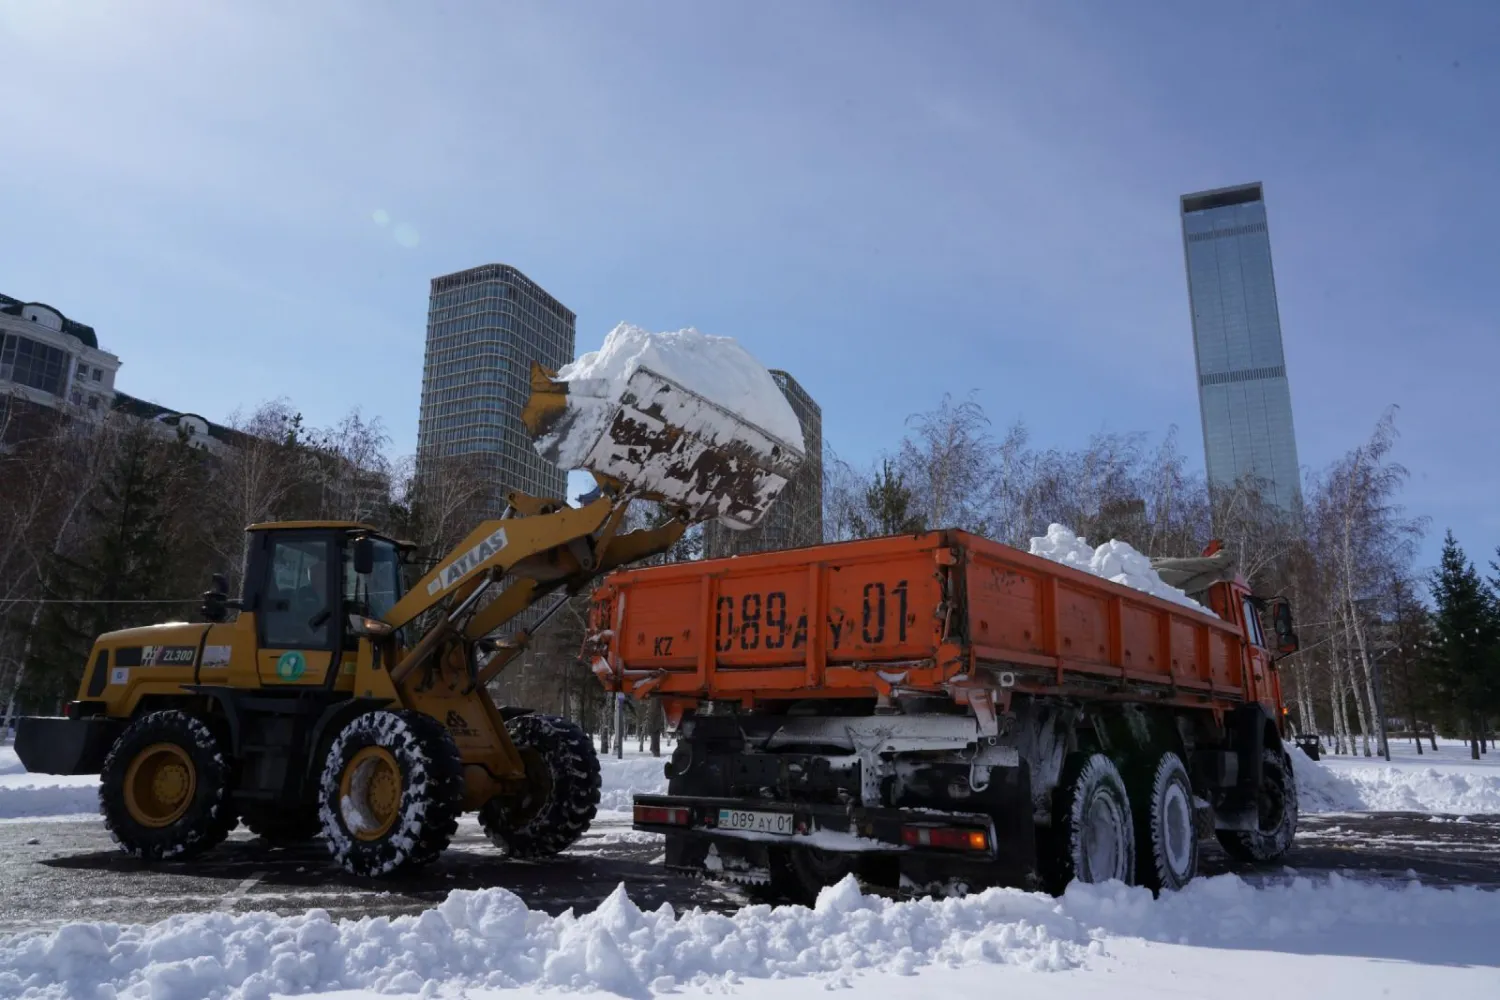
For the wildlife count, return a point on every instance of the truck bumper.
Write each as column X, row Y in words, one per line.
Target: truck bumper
column 56, row 745
column 696, row 841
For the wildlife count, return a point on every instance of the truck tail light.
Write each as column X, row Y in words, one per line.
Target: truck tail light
column 951, row 838
column 663, row 815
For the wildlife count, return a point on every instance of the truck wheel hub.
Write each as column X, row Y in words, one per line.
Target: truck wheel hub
column 159, row 785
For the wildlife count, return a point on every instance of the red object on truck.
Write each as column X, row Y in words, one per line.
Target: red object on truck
column 940, row 706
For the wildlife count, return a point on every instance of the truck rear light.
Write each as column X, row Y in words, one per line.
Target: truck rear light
column 663, row 815
column 950, row 838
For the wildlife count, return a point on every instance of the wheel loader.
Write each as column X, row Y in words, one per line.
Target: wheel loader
column 318, row 709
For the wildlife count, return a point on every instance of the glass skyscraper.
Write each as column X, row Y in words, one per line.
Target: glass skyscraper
column 1243, row 393
column 484, row 328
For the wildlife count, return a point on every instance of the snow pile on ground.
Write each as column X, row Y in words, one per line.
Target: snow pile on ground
column 489, row 939
column 622, row 780
column 26, row 796
column 1359, row 784
column 716, row 368
column 1115, row 561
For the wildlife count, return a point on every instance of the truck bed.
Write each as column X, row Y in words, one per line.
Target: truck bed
column 933, row 612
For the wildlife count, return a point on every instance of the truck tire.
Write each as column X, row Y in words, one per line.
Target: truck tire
column 164, row 788
column 1092, row 838
column 391, row 792
column 285, row 826
column 563, row 797
column 1165, row 835
column 1276, row 808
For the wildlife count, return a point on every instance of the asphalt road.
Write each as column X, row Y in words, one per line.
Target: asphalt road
column 51, row 872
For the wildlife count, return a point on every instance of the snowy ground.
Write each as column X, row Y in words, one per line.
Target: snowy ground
column 1094, row 938
column 1306, row 931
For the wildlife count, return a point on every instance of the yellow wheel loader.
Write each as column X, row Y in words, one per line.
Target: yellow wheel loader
column 318, row 709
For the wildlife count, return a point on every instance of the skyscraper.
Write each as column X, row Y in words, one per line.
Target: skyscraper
column 484, row 328
column 1243, row 393
column 796, row 518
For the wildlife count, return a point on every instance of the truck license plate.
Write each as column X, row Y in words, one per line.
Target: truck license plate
column 758, row 822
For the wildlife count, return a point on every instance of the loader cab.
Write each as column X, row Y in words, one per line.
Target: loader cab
column 304, row 581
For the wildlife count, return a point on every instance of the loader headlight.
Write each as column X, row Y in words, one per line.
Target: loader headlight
column 374, row 627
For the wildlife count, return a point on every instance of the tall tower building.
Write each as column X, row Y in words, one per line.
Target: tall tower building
column 796, row 518
column 485, row 326
column 1243, row 393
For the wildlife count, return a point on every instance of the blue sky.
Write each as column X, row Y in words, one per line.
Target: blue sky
column 890, row 200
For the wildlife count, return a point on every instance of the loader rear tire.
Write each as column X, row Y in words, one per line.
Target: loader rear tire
column 563, row 797
column 164, row 788
column 1276, row 808
column 391, row 793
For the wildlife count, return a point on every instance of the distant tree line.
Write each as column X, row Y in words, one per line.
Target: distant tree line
column 1378, row 634
column 106, row 525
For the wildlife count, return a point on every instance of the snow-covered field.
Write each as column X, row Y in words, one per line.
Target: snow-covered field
column 1096, row 938
column 26, row 796
column 1443, row 782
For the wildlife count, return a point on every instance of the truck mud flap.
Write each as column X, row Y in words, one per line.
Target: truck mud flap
column 57, row 745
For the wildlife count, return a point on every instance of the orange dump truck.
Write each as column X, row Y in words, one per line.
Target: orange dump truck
column 942, row 711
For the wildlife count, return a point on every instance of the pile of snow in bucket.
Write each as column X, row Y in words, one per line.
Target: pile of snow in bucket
column 489, row 939
column 717, row 368
column 1115, row 561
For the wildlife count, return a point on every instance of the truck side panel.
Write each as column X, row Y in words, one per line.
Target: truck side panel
column 830, row 621
column 1024, row 610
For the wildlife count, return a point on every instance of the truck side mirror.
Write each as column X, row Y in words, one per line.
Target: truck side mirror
column 364, row 555
column 1281, row 620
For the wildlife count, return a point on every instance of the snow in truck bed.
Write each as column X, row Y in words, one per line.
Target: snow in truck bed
column 1115, row 561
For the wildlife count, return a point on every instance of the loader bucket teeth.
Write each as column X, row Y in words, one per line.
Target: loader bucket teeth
column 662, row 441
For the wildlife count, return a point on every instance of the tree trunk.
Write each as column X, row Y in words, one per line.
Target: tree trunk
column 1336, row 702
column 1432, row 735
column 1368, row 673
column 1473, row 737
column 1353, row 663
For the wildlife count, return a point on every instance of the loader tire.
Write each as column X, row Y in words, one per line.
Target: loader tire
column 1092, row 837
column 164, row 788
column 1276, row 808
column 563, row 796
column 287, row 826
column 1166, row 837
column 391, row 793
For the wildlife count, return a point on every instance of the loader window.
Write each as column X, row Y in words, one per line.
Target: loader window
column 297, row 612
column 377, row 591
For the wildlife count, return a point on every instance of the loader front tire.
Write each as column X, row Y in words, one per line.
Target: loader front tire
column 164, row 788
column 563, row 792
column 391, row 793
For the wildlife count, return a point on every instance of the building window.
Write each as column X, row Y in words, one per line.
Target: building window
column 83, row 370
column 31, row 363
column 98, row 374
column 76, row 397
column 93, row 402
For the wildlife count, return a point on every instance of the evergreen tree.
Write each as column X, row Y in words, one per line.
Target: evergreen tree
column 887, row 507
column 1465, row 639
column 123, row 556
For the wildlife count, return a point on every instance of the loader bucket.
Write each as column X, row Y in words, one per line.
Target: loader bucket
column 661, row 441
